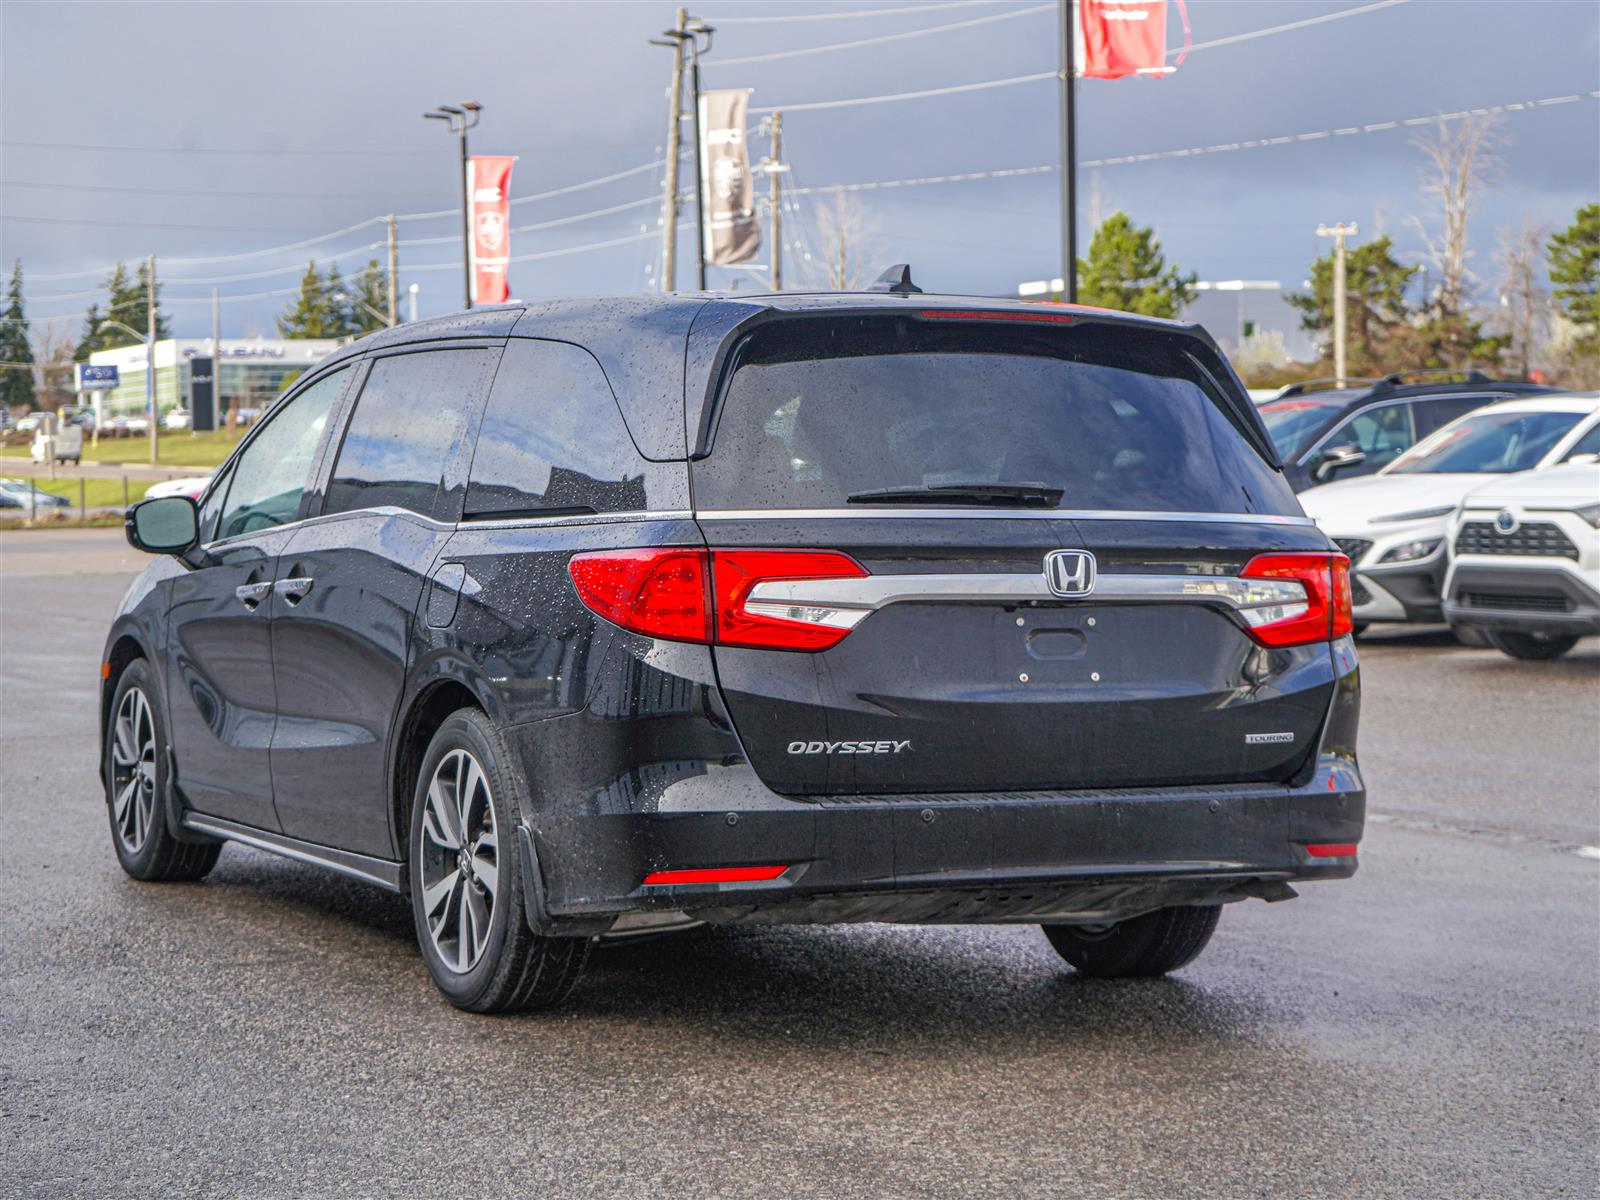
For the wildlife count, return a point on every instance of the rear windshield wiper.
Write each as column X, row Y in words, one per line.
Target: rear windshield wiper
column 1031, row 495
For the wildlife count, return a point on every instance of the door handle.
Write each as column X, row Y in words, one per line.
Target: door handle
column 294, row 590
column 252, row 594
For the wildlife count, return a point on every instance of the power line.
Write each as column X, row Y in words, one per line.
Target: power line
column 151, row 225
column 1191, row 152
column 142, row 191
column 898, row 11
column 887, row 37
column 1040, row 76
column 216, row 258
column 553, row 192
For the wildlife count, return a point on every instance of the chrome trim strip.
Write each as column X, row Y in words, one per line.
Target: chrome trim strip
column 377, row 871
column 867, row 593
column 918, row 512
column 610, row 518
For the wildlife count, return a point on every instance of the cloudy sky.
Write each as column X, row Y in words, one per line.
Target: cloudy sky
column 197, row 131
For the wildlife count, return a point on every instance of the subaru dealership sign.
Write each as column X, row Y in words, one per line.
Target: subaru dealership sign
column 93, row 377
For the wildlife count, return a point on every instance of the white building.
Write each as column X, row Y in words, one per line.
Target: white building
column 253, row 371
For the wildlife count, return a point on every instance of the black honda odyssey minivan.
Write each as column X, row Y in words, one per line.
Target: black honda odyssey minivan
column 596, row 618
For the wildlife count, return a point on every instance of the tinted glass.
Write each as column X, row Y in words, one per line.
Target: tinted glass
column 211, row 510
column 271, row 473
column 1436, row 414
column 1292, row 423
column 552, row 438
column 1381, row 433
column 1589, row 443
column 821, row 409
column 408, row 424
column 1489, row 443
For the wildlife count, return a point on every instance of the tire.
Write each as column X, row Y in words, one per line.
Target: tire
column 508, row 968
column 1531, row 647
column 1152, row 944
column 135, row 782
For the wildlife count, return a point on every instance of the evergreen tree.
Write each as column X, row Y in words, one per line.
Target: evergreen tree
column 92, row 338
column 1574, row 257
column 16, row 383
column 128, row 303
column 341, row 321
column 1380, row 335
column 1126, row 270
column 312, row 313
column 372, row 289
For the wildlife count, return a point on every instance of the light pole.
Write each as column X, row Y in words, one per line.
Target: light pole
column 149, row 338
column 347, row 298
column 411, row 301
column 460, row 119
column 1340, row 329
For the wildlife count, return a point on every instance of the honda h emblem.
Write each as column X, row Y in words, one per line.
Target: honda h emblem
column 1069, row 572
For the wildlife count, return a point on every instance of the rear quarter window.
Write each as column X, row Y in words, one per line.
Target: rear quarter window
column 817, row 410
column 553, row 439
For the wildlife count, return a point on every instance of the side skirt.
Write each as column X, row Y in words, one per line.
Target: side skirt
column 379, row 871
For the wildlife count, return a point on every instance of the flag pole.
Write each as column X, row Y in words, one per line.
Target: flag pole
column 1069, row 157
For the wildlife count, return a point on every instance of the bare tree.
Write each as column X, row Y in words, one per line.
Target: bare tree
column 847, row 235
column 1524, row 299
column 1460, row 164
column 52, row 357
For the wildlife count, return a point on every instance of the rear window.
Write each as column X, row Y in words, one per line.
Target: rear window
column 818, row 410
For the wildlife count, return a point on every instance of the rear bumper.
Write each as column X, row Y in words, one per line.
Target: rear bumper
column 1013, row 857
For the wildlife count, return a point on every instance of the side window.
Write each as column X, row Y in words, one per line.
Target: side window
column 1383, row 433
column 271, row 474
column 408, row 424
column 1436, row 414
column 211, row 510
column 1589, row 443
column 552, row 438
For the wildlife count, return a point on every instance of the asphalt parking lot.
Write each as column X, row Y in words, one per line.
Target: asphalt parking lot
column 1426, row 1029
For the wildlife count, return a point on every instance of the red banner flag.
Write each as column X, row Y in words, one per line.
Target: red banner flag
column 489, row 194
column 1127, row 37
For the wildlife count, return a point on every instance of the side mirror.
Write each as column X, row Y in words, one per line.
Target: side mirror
column 1336, row 458
column 165, row 525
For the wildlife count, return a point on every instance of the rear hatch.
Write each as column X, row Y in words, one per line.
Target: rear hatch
column 1005, row 556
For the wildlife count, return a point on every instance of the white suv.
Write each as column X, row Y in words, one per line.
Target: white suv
column 1525, row 561
column 1393, row 525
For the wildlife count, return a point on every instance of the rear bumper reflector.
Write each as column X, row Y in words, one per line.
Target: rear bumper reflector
column 1331, row 849
column 713, row 875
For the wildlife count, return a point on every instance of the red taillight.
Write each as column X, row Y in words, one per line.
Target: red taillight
column 1324, row 613
column 978, row 314
column 661, row 591
column 713, row 875
column 685, row 594
column 740, row 621
column 1331, row 849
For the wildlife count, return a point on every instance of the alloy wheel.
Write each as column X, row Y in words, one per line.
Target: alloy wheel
column 460, row 860
column 133, row 770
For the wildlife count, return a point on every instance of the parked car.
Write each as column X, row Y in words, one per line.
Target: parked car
column 1325, row 433
column 193, row 487
column 178, row 418
column 606, row 616
column 20, row 493
column 1525, row 561
column 29, row 422
column 1393, row 525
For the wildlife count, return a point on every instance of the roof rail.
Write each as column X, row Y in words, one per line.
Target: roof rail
column 1310, row 385
column 1422, row 374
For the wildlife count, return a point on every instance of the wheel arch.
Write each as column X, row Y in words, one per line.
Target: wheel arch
column 446, row 688
column 123, row 649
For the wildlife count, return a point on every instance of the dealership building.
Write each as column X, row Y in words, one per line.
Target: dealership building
column 253, row 372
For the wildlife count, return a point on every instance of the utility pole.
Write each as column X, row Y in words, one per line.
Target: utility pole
column 216, row 361
column 673, row 39
column 150, row 355
column 1340, row 326
column 459, row 119
column 695, row 50
column 1069, row 158
column 394, row 271
column 775, row 170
